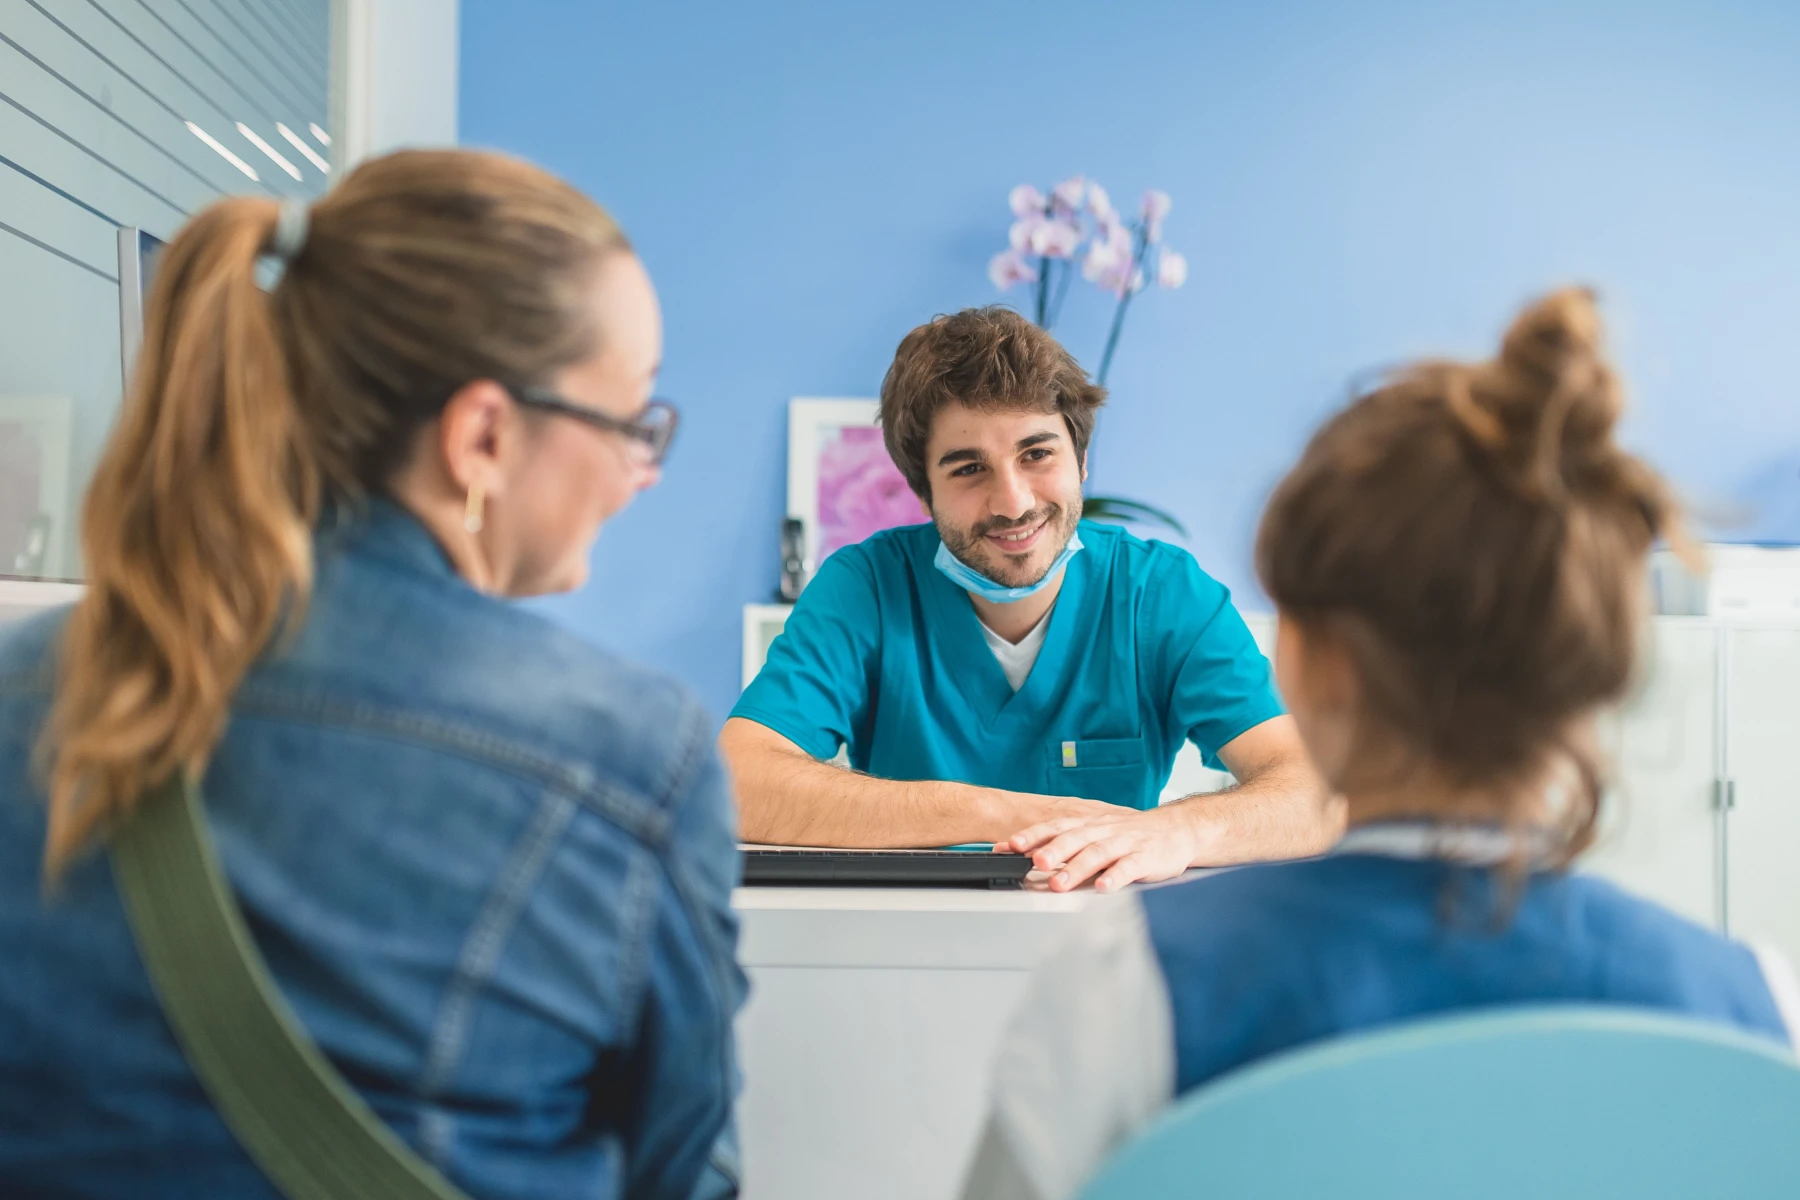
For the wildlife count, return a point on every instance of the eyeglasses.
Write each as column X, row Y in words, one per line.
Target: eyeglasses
column 654, row 427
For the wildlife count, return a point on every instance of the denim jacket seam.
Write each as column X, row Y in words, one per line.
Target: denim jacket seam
column 638, row 815
column 721, row 964
column 689, row 893
column 437, row 1131
column 640, row 920
column 481, row 950
column 685, row 760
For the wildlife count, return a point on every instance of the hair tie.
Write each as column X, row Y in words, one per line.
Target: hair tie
column 289, row 237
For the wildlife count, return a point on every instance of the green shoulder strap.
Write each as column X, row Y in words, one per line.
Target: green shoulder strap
column 311, row 1134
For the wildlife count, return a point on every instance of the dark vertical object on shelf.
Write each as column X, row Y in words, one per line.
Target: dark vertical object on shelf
column 793, row 559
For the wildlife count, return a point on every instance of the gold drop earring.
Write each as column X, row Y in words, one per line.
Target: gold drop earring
column 472, row 510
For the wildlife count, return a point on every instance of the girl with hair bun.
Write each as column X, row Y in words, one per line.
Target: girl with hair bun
column 1458, row 561
column 488, row 866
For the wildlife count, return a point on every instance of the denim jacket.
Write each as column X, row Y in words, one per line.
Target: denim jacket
column 489, row 866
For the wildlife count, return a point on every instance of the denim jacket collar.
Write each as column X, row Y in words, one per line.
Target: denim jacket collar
column 379, row 528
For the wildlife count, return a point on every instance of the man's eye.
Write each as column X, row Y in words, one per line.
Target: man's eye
column 1037, row 455
column 970, row 469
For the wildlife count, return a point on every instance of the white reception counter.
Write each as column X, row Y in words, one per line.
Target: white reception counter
column 874, row 1014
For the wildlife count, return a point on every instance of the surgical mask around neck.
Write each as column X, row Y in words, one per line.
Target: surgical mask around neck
column 969, row 579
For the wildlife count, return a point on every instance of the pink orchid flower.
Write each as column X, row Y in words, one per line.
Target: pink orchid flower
column 1019, row 236
column 1113, row 232
column 1067, row 194
column 1055, row 239
column 1171, row 269
column 1104, row 254
column 1026, row 201
column 1107, row 267
column 1009, row 267
column 1156, row 207
column 1100, row 204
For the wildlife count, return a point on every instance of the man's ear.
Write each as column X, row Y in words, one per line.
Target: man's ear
column 1084, row 466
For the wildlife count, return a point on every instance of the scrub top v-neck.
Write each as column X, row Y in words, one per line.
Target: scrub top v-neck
column 885, row 656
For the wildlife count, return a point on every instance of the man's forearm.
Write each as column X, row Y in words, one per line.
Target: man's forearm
column 795, row 801
column 789, row 798
column 1281, row 813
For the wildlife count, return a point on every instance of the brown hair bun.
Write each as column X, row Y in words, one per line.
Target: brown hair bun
column 1545, row 409
column 1475, row 539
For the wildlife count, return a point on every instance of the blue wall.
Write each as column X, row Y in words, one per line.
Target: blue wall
column 1354, row 183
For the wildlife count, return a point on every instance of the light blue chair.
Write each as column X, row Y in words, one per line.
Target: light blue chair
column 1521, row 1104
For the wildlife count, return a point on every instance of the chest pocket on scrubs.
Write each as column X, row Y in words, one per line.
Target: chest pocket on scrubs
column 1109, row 769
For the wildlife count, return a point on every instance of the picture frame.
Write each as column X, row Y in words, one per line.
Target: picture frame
column 763, row 623
column 34, row 486
column 842, row 486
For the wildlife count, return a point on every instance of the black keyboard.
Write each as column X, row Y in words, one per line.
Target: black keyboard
column 767, row 866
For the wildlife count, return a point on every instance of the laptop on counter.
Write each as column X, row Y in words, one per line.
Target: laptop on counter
column 811, row 866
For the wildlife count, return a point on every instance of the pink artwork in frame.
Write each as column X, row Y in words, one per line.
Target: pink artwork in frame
column 841, row 483
column 861, row 491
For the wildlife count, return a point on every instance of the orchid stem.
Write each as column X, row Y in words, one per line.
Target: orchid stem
column 1062, row 290
column 1043, row 289
column 1112, row 338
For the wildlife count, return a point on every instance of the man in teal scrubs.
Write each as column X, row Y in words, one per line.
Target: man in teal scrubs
column 1009, row 672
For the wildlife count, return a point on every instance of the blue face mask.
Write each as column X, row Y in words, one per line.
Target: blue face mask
column 969, row 579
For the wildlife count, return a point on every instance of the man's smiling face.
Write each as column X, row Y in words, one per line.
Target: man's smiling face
column 1005, row 489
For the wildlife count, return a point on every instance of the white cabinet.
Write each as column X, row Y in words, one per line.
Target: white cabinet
column 1717, row 714
column 869, row 1038
column 1763, row 736
column 1658, row 833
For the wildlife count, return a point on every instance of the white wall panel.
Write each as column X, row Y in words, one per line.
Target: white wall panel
column 94, row 100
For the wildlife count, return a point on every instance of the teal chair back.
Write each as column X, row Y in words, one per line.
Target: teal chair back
column 1548, row 1102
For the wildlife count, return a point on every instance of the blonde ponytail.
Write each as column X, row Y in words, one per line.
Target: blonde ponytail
column 196, row 533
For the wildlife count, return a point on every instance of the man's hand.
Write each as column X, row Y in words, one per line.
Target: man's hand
column 1279, row 809
column 1120, row 846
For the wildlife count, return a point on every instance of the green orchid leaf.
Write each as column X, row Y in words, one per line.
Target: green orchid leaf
column 1119, row 511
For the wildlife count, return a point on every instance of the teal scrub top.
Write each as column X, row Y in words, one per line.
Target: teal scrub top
column 885, row 656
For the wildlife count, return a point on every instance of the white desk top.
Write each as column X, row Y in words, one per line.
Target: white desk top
column 925, row 928
column 914, row 899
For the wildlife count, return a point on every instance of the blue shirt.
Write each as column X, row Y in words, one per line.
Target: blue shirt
column 884, row 655
column 1164, row 989
column 1265, row 958
column 489, row 866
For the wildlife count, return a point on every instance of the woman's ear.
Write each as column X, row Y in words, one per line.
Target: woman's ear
column 471, row 428
column 1318, row 684
column 1325, row 670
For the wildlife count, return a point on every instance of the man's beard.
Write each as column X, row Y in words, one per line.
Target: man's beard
column 1013, row 570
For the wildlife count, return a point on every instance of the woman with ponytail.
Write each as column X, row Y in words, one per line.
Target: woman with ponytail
column 488, row 866
column 1458, row 561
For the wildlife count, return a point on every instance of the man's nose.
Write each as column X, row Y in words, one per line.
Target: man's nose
column 1012, row 496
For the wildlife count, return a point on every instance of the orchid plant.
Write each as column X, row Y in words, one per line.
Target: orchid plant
column 1077, row 221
